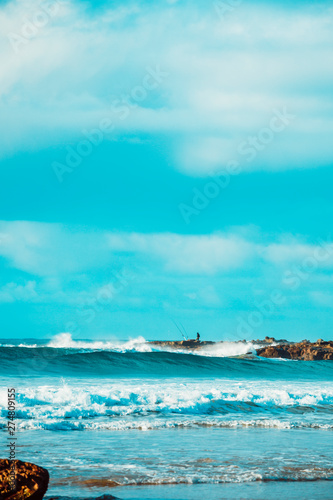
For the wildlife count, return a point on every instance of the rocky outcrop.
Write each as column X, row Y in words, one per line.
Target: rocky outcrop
column 22, row 480
column 269, row 348
column 181, row 344
column 270, row 340
column 304, row 350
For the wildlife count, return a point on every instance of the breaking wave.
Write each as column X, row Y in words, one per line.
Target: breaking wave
column 139, row 344
column 66, row 357
column 155, row 404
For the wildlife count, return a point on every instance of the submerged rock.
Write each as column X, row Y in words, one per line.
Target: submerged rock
column 304, row 350
column 22, row 480
column 103, row 497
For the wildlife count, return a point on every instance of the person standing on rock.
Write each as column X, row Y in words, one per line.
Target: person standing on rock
column 198, row 337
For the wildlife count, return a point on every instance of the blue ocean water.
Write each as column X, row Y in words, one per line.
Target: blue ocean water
column 127, row 419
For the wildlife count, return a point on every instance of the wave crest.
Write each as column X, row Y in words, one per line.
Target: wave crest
column 65, row 341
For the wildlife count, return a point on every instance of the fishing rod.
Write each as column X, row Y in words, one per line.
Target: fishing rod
column 178, row 328
column 184, row 330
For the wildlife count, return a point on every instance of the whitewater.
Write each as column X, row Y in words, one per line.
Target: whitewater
column 127, row 416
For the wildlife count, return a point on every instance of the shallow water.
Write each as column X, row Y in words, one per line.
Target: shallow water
column 94, row 462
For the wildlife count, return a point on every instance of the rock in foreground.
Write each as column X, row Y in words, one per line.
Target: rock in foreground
column 305, row 350
column 31, row 481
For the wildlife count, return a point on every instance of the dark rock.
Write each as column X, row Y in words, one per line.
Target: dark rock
column 320, row 350
column 30, row 481
column 180, row 344
column 304, row 350
column 273, row 352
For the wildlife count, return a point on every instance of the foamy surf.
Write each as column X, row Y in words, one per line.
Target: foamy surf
column 65, row 341
column 140, row 344
column 152, row 404
column 141, row 407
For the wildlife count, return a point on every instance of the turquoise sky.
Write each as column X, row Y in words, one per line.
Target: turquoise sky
column 166, row 162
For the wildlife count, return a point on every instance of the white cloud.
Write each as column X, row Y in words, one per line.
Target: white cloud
column 206, row 153
column 50, row 249
column 321, row 298
column 225, row 78
column 188, row 254
column 12, row 292
column 319, row 255
column 207, row 296
column 55, row 252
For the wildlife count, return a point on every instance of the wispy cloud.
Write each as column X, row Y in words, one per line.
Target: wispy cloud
column 13, row 292
column 188, row 254
column 225, row 78
column 74, row 273
column 51, row 250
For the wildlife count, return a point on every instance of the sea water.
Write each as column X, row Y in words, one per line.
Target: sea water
column 135, row 421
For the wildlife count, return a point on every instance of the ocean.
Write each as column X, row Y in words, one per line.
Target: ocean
column 132, row 420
